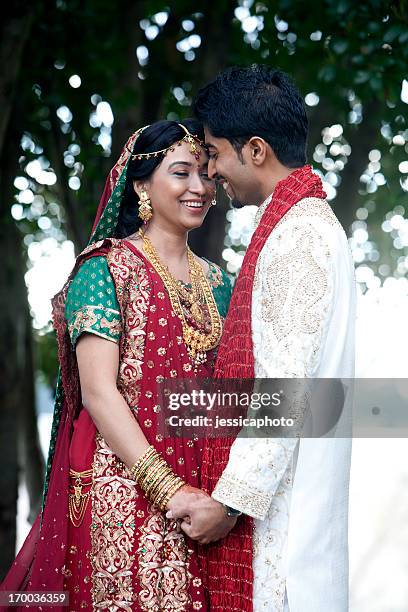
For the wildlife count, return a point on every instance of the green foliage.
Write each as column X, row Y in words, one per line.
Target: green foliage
column 46, row 357
column 352, row 55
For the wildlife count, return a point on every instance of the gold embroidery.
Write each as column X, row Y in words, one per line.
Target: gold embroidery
column 246, row 497
column 317, row 208
column 131, row 280
column 90, row 319
column 214, row 275
column 296, row 271
column 163, row 572
column 91, row 247
column 83, row 319
column 115, row 326
column 296, row 292
column 112, row 531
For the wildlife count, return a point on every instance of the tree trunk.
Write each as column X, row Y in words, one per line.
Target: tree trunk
column 208, row 241
column 132, row 119
column 14, row 34
column 18, row 433
column 18, row 430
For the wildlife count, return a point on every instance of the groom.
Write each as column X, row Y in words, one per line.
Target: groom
column 279, row 505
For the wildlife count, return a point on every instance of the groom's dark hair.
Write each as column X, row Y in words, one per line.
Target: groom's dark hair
column 256, row 101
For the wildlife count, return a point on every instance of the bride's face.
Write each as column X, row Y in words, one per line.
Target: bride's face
column 180, row 190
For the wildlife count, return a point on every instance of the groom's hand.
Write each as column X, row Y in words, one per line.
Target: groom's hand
column 180, row 503
column 204, row 519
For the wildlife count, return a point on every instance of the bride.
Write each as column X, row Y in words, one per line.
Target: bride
column 138, row 307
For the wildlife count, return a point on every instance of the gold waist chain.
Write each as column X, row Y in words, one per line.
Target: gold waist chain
column 77, row 499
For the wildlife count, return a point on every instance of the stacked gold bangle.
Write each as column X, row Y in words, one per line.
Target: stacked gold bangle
column 156, row 478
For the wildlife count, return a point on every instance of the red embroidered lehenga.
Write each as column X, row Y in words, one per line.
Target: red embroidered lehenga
column 98, row 537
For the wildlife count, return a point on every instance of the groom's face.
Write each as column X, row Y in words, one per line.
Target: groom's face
column 235, row 173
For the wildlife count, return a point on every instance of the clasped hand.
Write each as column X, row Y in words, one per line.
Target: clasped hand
column 204, row 519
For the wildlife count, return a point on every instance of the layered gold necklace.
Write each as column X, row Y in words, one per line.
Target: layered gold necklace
column 198, row 341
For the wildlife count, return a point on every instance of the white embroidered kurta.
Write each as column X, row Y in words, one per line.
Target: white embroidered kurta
column 303, row 314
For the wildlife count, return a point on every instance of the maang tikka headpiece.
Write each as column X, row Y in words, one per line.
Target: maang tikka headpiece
column 192, row 140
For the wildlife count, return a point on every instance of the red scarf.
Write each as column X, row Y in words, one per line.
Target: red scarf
column 228, row 563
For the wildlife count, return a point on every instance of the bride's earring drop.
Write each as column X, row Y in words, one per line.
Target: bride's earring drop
column 145, row 207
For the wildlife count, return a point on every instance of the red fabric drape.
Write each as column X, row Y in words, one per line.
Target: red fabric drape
column 35, row 560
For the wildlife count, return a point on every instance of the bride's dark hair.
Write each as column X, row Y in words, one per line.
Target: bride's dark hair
column 157, row 136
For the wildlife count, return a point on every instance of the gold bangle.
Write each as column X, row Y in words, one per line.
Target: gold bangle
column 142, row 459
column 151, row 451
column 162, row 503
column 155, row 477
column 167, row 489
column 154, row 459
column 155, row 471
column 162, row 477
column 150, row 464
column 145, row 474
column 161, row 484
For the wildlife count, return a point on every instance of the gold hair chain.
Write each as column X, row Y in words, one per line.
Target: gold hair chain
column 191, row 139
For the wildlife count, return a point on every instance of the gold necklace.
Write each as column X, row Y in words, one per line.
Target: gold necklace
column 195, row 297
column 198, row 343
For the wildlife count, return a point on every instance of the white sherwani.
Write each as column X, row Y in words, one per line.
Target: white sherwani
column 303, row 313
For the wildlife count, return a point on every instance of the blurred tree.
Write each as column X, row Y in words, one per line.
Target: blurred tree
column 81, row 76
column 18, row 431
column 348, row 59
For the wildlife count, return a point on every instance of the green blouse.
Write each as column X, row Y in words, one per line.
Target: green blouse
column 92, row 306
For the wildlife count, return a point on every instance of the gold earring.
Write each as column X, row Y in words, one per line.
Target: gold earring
column 145, row 207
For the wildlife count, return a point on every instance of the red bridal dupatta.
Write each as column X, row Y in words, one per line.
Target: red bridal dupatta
column 228, row 562
column 127, row 554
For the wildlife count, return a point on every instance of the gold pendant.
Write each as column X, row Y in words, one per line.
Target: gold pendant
column 196, row 312
column 78, row 493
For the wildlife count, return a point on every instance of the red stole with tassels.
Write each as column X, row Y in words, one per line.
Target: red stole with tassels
column 228, row 563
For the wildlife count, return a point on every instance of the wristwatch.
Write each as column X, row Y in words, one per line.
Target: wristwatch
column 231, row 511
